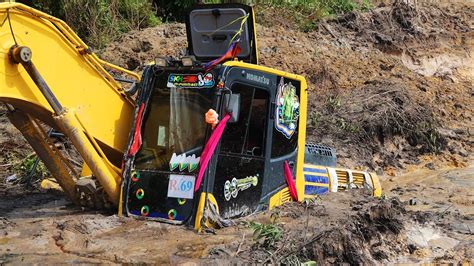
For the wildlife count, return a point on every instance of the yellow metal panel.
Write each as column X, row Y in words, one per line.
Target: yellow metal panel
column 376, row 185
column 316, row 184
column 301, row 140
column 267, row 70
column 75, row 77
column 279, row 198
column 314, row 166
column 200, row 209
column 86, row 170
column 316, row 174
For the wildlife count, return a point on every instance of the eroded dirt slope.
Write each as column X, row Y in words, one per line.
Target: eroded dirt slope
column 385, row 87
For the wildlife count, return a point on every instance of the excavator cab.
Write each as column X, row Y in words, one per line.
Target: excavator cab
column 262, row 131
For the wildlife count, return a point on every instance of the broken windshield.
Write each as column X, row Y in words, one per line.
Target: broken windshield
column 174, row 127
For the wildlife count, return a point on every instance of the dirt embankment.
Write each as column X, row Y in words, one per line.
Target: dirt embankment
column 386, row 87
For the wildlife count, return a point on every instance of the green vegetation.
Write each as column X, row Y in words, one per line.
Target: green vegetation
column 306, row 13
column 25, row 166
column 100, row 21
column 266, row 235
column 323, row 7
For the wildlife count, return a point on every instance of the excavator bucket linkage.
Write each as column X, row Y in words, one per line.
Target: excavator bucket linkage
column 68, row 88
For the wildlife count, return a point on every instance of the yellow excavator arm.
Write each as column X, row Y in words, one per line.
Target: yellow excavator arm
column 49, row 74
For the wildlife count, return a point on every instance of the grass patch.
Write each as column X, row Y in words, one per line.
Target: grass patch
column 306, row 13
column 266, row 235
column 26, row 166
column 99, row 22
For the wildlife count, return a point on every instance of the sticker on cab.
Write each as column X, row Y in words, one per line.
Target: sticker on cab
column 181, row 186
column 191, row 80
column 287, row 110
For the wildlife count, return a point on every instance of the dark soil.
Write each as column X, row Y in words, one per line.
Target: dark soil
column 351, row 228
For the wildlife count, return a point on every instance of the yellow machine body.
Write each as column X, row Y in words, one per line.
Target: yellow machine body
column 77, row 78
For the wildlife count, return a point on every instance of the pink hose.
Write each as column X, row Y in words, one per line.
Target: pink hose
column 290, row 181
column 209, row 149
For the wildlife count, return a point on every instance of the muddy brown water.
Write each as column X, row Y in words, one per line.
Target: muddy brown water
column 447, row 194
column 43, row 227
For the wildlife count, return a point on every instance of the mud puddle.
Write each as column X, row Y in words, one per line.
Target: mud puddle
column 47, row 229
column 442, row 203
column 436, row 227
column 435, row 190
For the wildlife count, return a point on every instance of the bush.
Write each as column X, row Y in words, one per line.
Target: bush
column 100, row 21
column 174, row 10
column 305, row 14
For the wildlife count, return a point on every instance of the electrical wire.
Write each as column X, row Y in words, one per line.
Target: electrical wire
column 239, row 32
column 242, row 20
column 11, row 28
column 3, row 22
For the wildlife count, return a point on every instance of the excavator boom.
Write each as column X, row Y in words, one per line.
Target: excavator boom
column 92, row 102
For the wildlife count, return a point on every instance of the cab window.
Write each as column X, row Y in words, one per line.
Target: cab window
column 247, row 135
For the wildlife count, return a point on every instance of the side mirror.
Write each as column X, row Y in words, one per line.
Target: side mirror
column 232, row 105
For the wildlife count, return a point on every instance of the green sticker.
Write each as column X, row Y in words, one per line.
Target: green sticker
column 135, row 176
column 172, row 214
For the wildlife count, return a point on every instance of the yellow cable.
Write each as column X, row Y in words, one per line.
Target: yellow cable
column 230, row 23
column 242, row 19
column 239, row 32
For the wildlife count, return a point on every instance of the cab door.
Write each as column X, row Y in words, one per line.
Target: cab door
column 286, row 129
column 250, row 163
column 240, row 168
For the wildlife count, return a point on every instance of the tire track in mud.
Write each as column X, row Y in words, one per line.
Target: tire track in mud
column 74, row 234
column 58, row 241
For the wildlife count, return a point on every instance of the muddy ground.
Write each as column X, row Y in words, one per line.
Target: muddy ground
column 391, row 89
column 349, row 227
